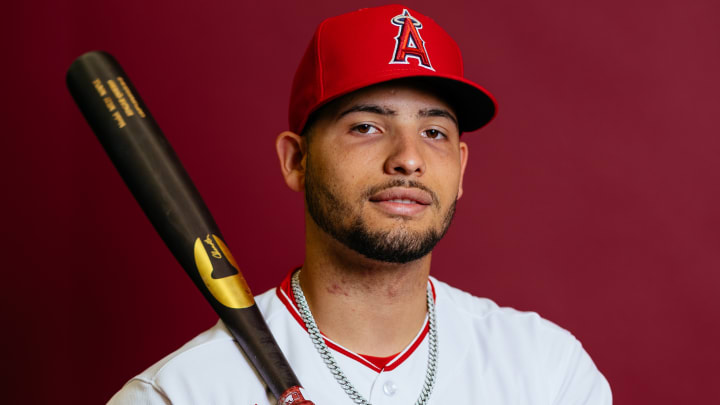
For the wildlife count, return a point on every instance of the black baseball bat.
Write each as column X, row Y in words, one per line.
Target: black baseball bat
column 167, row 195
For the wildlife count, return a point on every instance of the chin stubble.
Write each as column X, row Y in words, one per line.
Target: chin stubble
column 339, row 220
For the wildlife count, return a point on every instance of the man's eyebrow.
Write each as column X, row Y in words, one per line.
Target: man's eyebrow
column 371, row 108
column 437, row 112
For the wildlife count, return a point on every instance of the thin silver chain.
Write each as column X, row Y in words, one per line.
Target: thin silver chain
column 334, row 368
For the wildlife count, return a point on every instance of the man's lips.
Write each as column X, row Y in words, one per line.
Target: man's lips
column 402, row 202
column 402, row 195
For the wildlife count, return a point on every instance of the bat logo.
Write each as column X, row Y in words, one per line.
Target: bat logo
column 408, row 42
column 213, row 250
column 220, row 274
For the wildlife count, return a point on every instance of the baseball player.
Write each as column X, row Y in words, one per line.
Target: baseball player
column 377, row 109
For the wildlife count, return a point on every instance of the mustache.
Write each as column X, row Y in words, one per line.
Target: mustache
column 369, row 192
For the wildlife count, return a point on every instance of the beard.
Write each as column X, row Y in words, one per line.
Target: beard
column 337, row 218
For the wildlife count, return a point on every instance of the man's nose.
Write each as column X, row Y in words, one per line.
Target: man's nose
column 405, row 155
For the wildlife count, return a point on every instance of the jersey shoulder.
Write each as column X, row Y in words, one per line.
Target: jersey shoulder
column 200, row 370
column 484, row 310
column 517, row 346
column 215, row 338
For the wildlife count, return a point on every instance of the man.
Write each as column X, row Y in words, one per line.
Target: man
column 377, row 109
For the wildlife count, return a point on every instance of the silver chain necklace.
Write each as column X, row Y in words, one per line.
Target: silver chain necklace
column 329, row 359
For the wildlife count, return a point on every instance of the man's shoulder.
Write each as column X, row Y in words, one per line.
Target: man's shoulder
column 462, row 300
column 215, row 340
column 515, row 345
column 490, row 318
column 206, row 361
column 208, row 345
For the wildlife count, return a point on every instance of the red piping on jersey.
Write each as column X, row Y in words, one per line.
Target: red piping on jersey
column 378, row 364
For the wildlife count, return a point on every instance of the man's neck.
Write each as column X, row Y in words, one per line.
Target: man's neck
column 367, row 306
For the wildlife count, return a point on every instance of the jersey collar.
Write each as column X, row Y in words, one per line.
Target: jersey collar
column 378, row 364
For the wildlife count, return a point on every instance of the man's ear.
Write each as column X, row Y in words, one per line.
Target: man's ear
column 292, row 150
column 463, row 162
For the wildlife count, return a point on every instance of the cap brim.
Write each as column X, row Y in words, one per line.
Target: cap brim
column 474, row 106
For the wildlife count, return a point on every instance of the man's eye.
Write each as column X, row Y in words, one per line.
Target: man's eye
column 365, row 129
column 434, row 134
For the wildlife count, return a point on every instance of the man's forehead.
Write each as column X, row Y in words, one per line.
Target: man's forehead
column 393, row 97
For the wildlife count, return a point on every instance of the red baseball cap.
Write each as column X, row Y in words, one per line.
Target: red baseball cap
column 375, row 45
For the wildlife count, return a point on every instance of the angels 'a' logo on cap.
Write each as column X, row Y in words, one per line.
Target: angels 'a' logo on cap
column 408, row 42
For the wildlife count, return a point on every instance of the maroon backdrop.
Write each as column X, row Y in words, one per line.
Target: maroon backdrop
column 592, row 199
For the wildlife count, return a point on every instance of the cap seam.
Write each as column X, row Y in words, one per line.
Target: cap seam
column 319, row 61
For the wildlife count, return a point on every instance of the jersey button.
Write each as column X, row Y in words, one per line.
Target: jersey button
column 389, row 388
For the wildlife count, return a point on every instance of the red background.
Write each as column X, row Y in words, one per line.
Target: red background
column 591, row 199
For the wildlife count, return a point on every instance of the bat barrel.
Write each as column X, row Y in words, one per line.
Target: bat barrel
column 155, row 176
column 139, row 150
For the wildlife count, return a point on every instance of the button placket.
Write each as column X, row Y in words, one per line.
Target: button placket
column 389, row 388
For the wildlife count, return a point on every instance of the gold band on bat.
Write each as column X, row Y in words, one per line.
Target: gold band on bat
column 230, row 290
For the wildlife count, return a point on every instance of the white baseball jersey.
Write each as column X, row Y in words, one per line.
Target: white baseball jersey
column 486, row 355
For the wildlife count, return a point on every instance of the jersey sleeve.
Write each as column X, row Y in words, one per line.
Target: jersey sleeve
column 580, row 382
column 139, row 392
